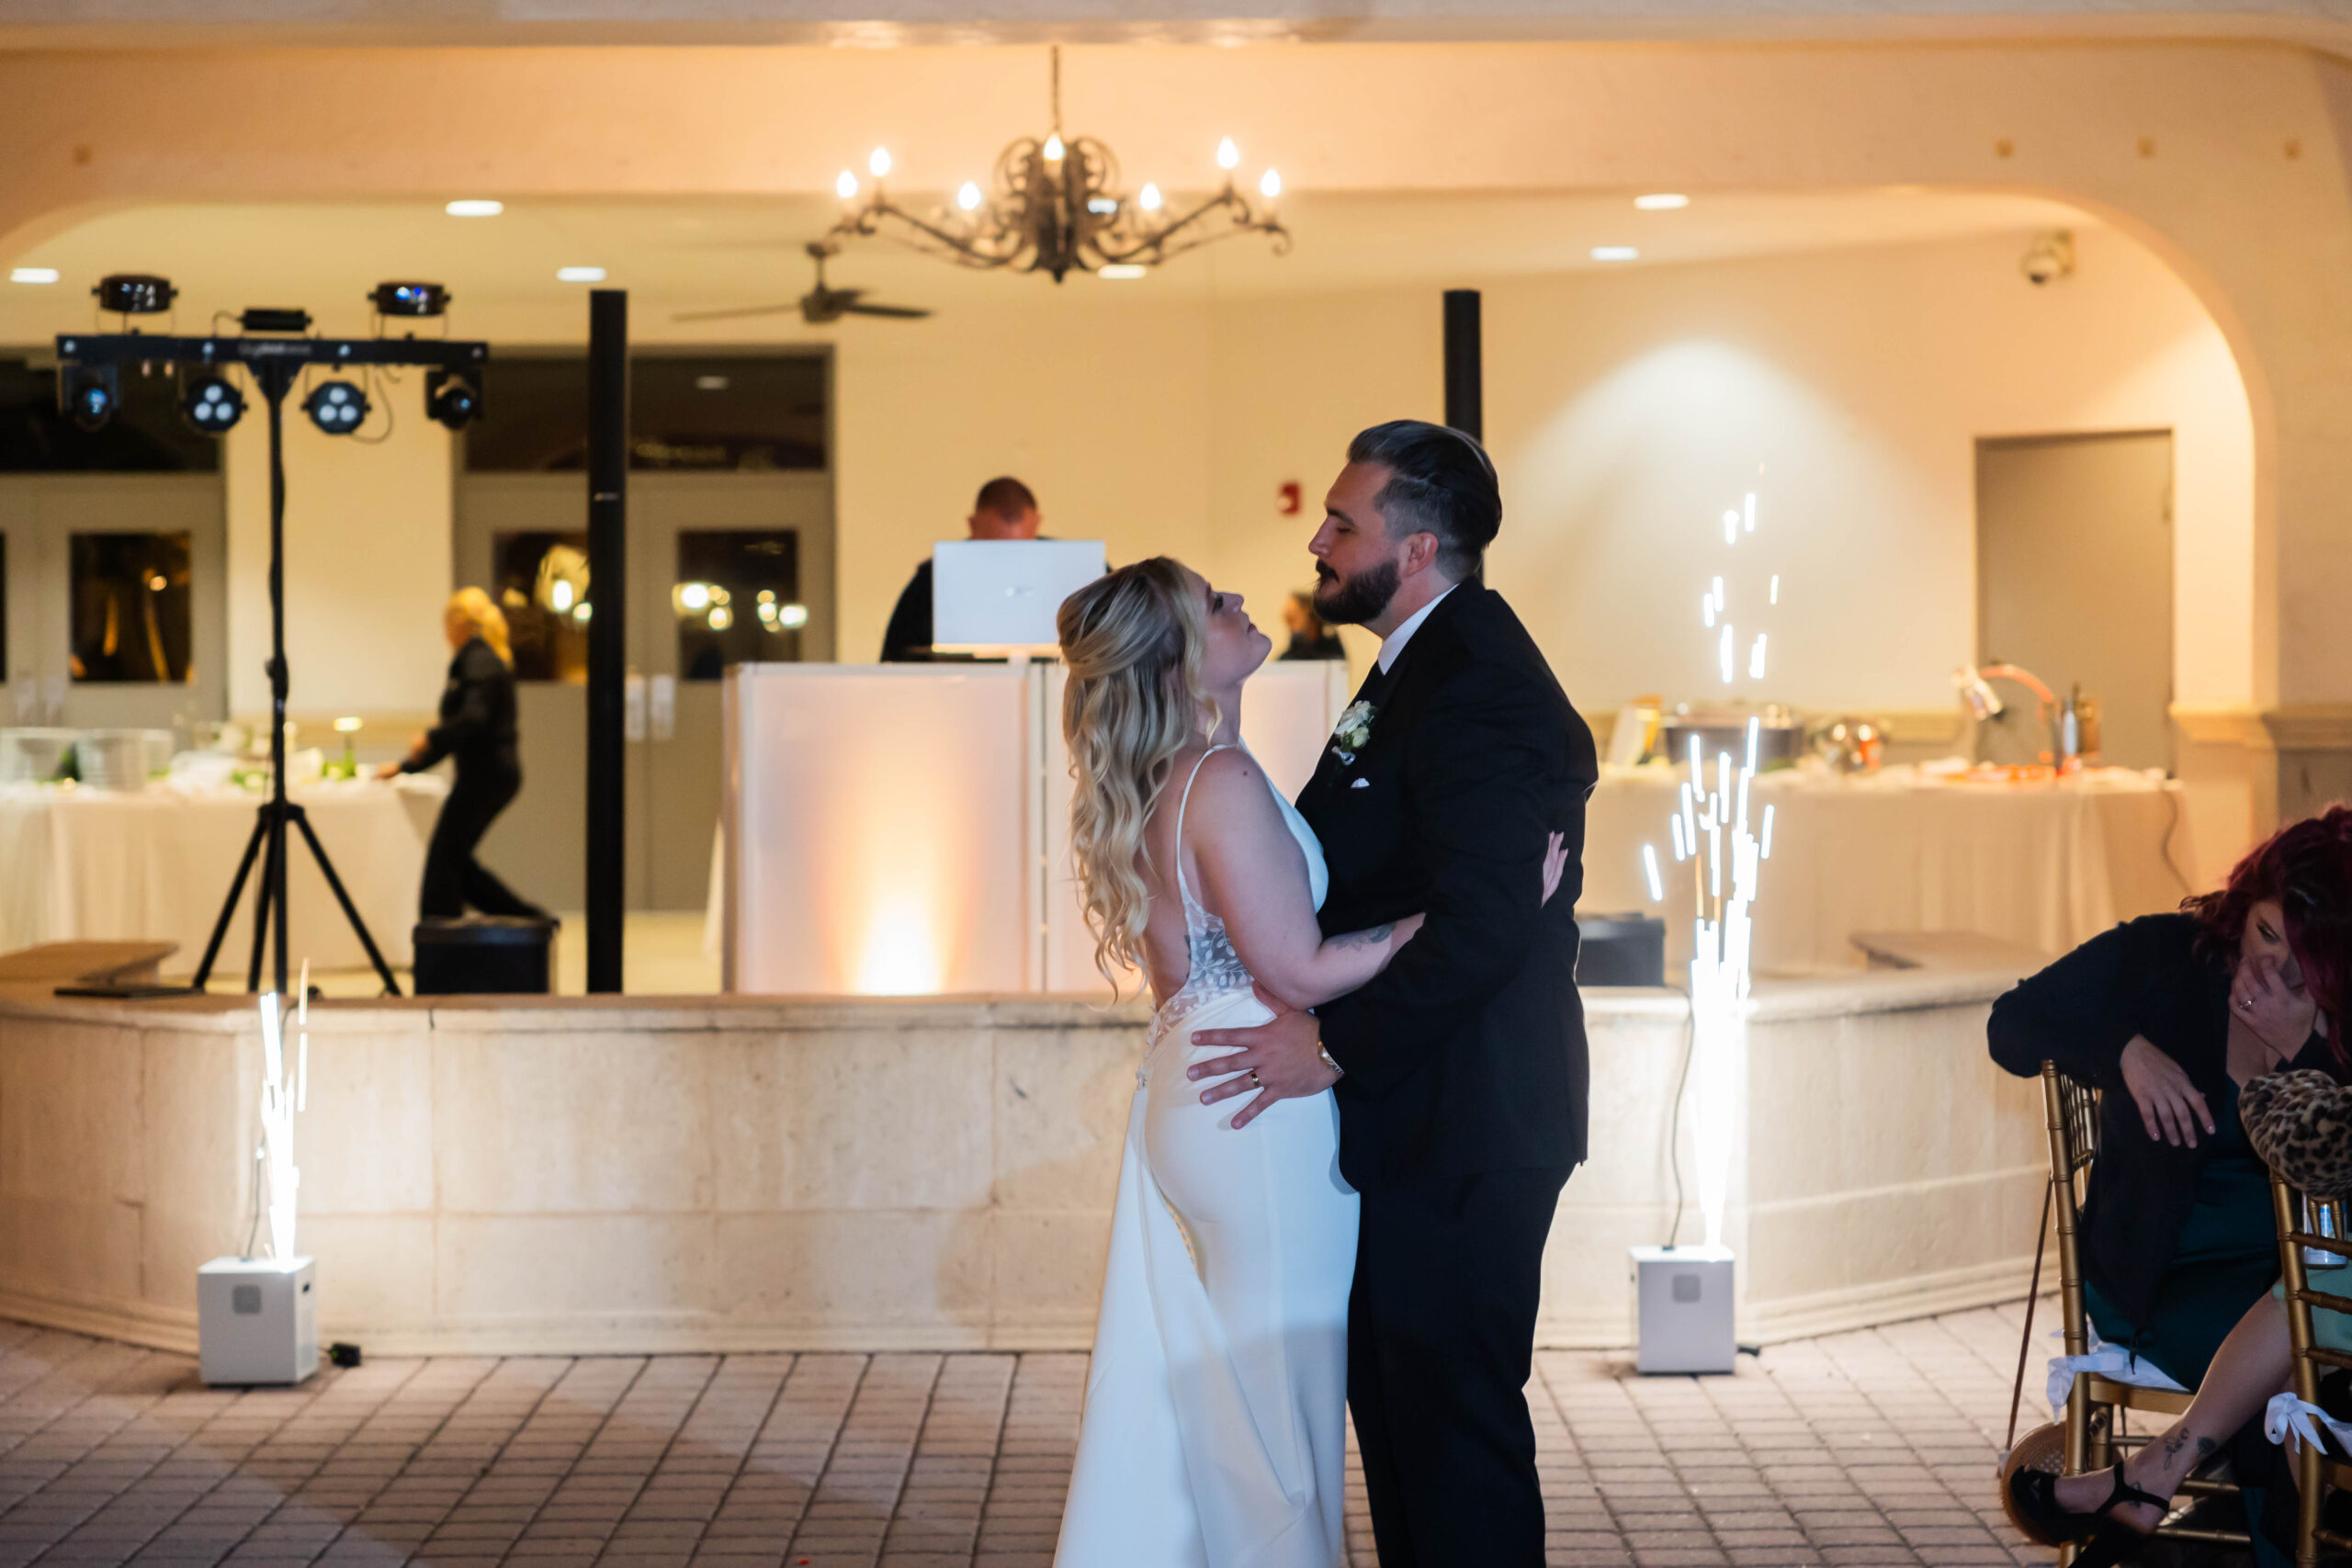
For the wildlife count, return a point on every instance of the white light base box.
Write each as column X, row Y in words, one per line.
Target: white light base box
column 1682, row 1305
column 258, row 1320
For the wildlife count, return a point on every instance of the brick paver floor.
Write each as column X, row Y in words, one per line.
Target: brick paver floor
column 1873, row 1448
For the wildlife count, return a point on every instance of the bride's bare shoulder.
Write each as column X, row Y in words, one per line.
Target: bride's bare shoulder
column 1230, row 787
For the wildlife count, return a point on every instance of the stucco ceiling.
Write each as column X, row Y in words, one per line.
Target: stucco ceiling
column 681, row 256
column 145, row 23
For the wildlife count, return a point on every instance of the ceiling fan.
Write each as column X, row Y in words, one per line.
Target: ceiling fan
column 821, row 306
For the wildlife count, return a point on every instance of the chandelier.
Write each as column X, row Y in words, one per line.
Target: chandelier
column 1055, row 205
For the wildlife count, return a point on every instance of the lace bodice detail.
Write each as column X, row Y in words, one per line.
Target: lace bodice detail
column 1217, row 970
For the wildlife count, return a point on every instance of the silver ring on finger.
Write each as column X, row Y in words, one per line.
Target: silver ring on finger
column 1255, row 1081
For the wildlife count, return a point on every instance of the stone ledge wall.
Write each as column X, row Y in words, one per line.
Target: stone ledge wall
column 627, row 1174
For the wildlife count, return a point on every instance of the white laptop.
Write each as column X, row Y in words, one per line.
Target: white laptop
column 1000, row 595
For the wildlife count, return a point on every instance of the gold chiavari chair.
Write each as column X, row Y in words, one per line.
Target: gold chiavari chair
column 2302, row 1220
column 2096, row 1432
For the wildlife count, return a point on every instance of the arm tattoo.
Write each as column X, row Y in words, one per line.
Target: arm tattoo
column 1371, row 937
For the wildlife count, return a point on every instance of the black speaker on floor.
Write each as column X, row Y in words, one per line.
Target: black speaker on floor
column 485, row 955
column 1619, row 950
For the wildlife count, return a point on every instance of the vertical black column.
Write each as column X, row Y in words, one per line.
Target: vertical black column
column 1465, row 400
column 607, row 628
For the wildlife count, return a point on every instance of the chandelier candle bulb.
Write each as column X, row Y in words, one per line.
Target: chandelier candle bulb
column 1228, row 156
column 879, row 163
column 846, row 187
column 1148, row 197
column 1270, row 185
column 967, row 196
column 1649, row 864
column 1055, row 150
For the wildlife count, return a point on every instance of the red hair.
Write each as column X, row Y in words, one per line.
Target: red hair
column 2307, row 867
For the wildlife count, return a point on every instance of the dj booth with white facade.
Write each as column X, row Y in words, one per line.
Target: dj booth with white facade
column 903, row 829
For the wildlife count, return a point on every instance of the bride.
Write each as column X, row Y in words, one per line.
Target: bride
column 1215, row 1403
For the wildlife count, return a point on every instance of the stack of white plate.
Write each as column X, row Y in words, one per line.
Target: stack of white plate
column 32, row 756
column 112, row 759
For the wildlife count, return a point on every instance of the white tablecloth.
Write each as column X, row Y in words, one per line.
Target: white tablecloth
column 2047, row 864
column 80, row 865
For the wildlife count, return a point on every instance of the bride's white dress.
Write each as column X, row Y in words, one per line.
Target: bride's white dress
column 1214, row 1433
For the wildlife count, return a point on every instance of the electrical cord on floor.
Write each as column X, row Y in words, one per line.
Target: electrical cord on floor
column 1674, row 1122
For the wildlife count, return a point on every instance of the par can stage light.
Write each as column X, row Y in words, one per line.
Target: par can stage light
column 453, row 397
column 135, row 293
column 89, row 393
column 211, row 404
column 336, row 407
column 410, row 300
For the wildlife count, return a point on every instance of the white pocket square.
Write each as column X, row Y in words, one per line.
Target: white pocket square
column 1361, row 783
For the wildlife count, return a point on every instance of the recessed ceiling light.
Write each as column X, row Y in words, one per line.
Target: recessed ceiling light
column 1615, row 253
column 33, row 275
column 474, row 207
column 580, row 275
column 1123, row 272
column 1662, row 201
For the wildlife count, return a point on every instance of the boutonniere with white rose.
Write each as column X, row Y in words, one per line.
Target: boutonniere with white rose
column 1353, row 732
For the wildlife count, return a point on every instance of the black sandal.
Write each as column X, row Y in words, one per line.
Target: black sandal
column 2035, row 1493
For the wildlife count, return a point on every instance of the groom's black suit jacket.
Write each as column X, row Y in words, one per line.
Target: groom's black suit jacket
column 1467, row 1054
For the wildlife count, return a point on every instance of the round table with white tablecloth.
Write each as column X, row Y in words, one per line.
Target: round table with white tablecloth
column 84, row 864
column 2047, row 862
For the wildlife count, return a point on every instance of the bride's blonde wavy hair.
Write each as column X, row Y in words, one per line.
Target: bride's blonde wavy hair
column 1132, row 641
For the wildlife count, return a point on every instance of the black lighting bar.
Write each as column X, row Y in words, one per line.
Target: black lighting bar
column 140, row 348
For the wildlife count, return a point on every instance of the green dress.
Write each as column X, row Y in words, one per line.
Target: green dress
column 2227, row 1257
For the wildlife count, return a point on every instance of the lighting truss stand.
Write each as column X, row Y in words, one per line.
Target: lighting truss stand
column 275, row 363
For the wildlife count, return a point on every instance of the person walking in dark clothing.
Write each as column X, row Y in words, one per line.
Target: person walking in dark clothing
column 1004, row 510
column 477, row 728
column 1309, row 638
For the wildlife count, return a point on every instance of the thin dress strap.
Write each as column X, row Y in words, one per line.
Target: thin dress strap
column 1193, row 914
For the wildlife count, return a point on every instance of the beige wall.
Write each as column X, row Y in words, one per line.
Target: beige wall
column 1627, row 410
column 366, row 564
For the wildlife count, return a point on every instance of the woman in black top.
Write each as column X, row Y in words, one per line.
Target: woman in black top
column 2177, row 1013
column 2171, row 1016
column 477, row 728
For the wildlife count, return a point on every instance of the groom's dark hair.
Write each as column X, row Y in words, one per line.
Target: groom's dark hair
column 1440, row 481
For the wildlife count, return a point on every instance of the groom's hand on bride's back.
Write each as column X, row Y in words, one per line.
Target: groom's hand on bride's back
column 1283, row 1059
column 1278, row 1060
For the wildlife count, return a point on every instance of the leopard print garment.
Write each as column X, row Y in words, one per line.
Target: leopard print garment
column 2300, row 1124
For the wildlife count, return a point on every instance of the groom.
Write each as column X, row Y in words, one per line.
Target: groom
column 1460, row 1070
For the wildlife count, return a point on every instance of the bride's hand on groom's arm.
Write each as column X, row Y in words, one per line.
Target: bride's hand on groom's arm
column 1278, row 1060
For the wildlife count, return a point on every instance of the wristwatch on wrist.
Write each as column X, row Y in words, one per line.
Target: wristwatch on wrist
column 1324, row 1051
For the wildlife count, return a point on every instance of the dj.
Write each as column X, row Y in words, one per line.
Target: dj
column 1003, row 510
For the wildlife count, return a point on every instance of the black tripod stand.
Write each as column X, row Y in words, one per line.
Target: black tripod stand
column 275, row 378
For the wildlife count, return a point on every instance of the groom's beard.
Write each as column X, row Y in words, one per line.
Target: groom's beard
column 1351, row 601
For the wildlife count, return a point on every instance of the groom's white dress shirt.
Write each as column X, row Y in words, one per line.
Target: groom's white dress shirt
column 1394, row 643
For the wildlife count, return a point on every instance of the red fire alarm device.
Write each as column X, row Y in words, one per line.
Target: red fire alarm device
column 1289, row 504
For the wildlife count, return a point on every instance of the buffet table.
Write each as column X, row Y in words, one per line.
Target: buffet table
column 84, row 864
column 2045, row 862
